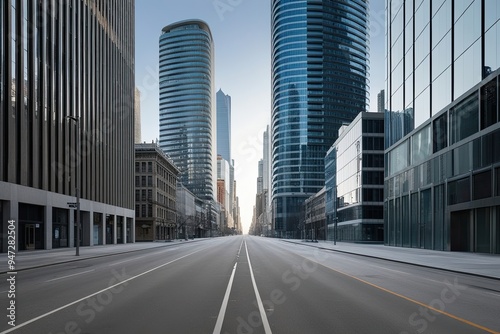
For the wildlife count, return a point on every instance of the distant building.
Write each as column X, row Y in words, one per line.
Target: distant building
column 63, row 85
column 155, row 194
column 224, row 125
column 381, row 101
column 356, row 164
column 187, row 108
column 224, row 194
column 442, row 125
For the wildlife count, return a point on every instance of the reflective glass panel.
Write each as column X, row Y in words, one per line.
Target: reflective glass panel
column 441, row 91
column 492, row 49
column 464, row 119
column 491, row 13
column 421, row 147
column 489, row 104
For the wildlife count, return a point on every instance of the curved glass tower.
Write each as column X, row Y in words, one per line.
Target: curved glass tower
column 319, row 82
column 187, row 119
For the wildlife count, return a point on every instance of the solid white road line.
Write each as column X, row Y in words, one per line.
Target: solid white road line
column 58, row 278
column 94, row 294
column 222, row 311
column 263, row 316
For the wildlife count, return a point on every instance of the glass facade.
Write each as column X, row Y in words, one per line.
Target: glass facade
column 356, row 159
column 441, row 160
column 319, row 82
column 187, row 116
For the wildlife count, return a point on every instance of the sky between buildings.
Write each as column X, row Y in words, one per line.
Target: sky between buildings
column 242, row 35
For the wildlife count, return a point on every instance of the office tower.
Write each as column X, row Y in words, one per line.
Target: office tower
column 224, row 125
column 137, row 116
column 66, row 121
column 187, row 116
column 442, row 131
column 319, row 82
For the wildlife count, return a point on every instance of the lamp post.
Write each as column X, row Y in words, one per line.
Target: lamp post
column 76, row 119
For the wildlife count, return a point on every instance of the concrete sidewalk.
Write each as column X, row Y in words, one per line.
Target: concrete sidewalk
column 40, row 258
column 485, row 265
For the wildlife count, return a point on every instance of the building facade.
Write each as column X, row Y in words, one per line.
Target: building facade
column 155, row 194
column 65, row 126
column 442, row 131
column 315, row 217
column 319, row 82
column 187, row 113
column 357, row 160
column 137, row 116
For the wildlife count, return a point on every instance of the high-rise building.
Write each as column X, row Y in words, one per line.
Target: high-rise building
column 187, row 113
column 319, row 82
column 224, row 125
column 66, row 122
column 442, row 125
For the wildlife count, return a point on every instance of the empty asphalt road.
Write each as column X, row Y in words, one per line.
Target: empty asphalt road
column 245, row 284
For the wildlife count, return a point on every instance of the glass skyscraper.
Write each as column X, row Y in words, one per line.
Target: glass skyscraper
column 223, row 125
column 442, row 152
column 319, row 82
column 187, row 114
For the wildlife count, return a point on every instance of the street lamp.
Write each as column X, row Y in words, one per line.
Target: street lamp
column 76, row 119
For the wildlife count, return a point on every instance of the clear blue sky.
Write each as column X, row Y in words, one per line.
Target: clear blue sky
column 241, row 31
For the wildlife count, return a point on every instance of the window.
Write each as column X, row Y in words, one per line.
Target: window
column 137, row 195
column 482, row 185
column 150, row 167
column 464, row 119
column 137, row 167
column 461, row 159
column 497, row 176
column 459, row 191
column 373, row 195
column 440, row 133
column 373, row 177
column 421, row 145
column 398, row 158
column 489, row 104
column 373, row 160
column 150, row 181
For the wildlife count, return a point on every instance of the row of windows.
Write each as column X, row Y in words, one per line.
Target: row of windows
column 479, row 153
column 476, row 112
column 361, row 212
column 459, row 191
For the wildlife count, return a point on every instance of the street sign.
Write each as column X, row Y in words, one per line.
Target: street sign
column 72, row 204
